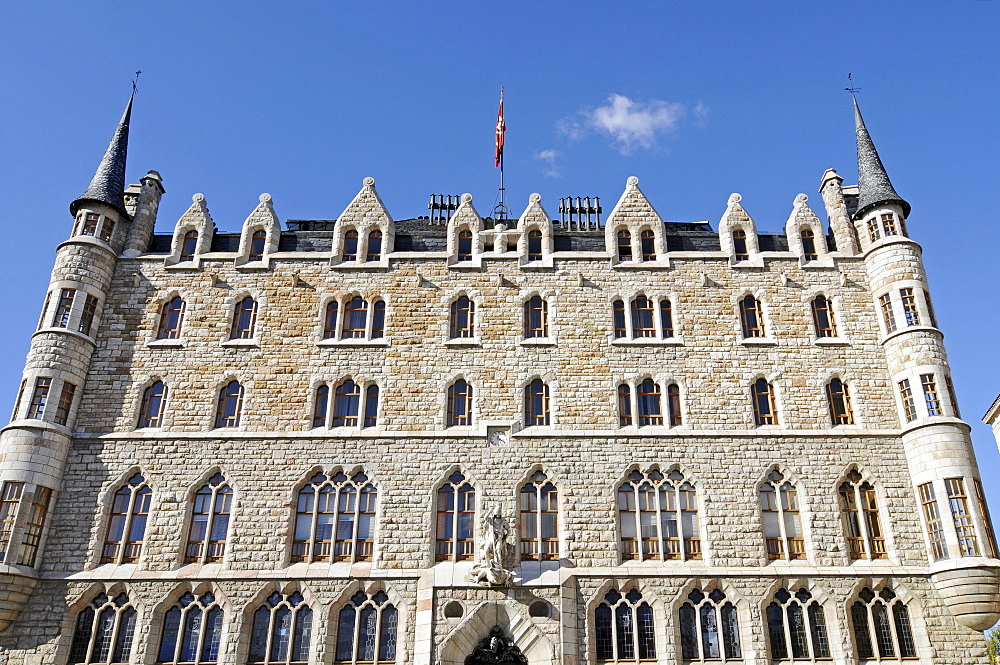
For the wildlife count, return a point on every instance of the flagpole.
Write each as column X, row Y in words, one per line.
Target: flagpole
column 503, row 192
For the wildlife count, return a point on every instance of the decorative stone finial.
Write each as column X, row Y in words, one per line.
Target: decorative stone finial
column 265, row 198
column 466, row 198
column 368, row 182
column 632, row 181
column 800, row 200
column 198, row 198
column 734, row 198
column 535, row 198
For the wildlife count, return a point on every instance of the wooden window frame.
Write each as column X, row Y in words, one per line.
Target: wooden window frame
column 932, row 398
column 824, row 322
column 796, row 627
column 200, row 618
column 540, row 390
column 10, row 500
column 616, row 618
column 536, row 318
column 349, row 251
column 906, row 396
column 534, row 245
column 623, row 239
column 908, row 298
column 87, row 314
column 961, row 515
column 244, row 319
column 462, row 307
column 132, row 500
column 538, row 502
column 374, row 240
column 189, row 246
column 463, row 246
column 64, row 308
column 888, row 316
column 838, row 398
column 226, row 417
column 39, row 398
column 172, row 318
column 752, row 318
column 661, row 510
column 213, row 502
column 703, row 616
column 861, row 519
column 459, row 407
column 455, row 510
column 782, row 501
column 65, row 403
column 647, row 243
column 740, row 252
column 337, row 515
column 932, row 521
column 761, row 395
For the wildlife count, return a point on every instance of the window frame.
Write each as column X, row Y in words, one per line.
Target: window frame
column 752, row 328
column 208, row 608
column 538, row 535
column 812, row 630
column 782, row 547
column 838, row 399
column 375, row 238
column 189, row 246
column 890, row 602
column 352, row 501
column 209, row 549
column 359, row 605
column 824, row 317
column 462, row 307
column 861, row 517
column 760, row 398
column 537, row 389
column 454, row 398
column 138, row 501
column 451, row 520
column 171, row 323
column 622, row 612
column 691, row 623
column 299, row 611
column 536, row 310
column 244, row 324
column 230, row 400
column 119, row 644
column 675, row 509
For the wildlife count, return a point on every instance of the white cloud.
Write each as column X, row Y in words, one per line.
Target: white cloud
column 549, row 158
column 630, row 124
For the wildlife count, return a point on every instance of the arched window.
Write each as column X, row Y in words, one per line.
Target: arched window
column 534, row 245
column 710, row 627
column 459, row 404
column 649, row 403
column 839, row 399
column 171, row 319
column 796, row 627
column 209, row 522
column 350, row 252
column 366, row 630
column 330, row 320
column 624, row 245
column 862, row 525
column 539, row 519
column 257, row 241
column 335, row 519
column 345, row 404
column 623, row 626
column 536, row 403
column 456, row 520
column 320, row 405
column 463, row 317
column 189, row 245
column 151, row 409
column 808, row 244
column 624, row 405
column 658, row 517
column 355, row 318
column 822, row 311
column 870, row 616
column 192, row 631
column 750, row 317
column 536, row 317
column 227, row 413
column 374, row 246
column 105, row 630
column 779, row 506
column 740, row 245
column 674, row 404
column 378, row 319
column 244, row 319
column 648, row 247
column 281, row 632
column 765, row 411
column 371, row 406
column 619, row 319
column 666, row 318
column 465, row 245
column 127, row 522
column 873, row 230
column 642, row 317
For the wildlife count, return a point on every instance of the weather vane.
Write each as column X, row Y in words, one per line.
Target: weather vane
column 135, row 80
column 850, row 85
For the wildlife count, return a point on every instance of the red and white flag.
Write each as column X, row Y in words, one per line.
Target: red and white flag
column 501, row 127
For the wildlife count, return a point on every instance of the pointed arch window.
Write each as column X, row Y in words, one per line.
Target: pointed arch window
column 244, row 319
column 765, row 411
column 350, row 251
column 534, row 245
column 105, row 630
column 209, row 522
column 808, row 244
column 779, row 506
column 624, row 629
column 257, row 244
column 648, row 245
column 624, row 239
column 366, row 630
column 460, row 404
column 192, row 631
column 463, row 318
column 838, row 398
column 536, row 403
column 796, row 627
column 710, row 628
column 456, row 515
column 658, row 517
column 881, row 625
column 281, row 631
column 740, row 245
column 171, row 318
column 465, row 245
column 189, row 245
column 151, row 409
column 374, row 246
column 230, row 406
column 823, row 321
column 335, row 519
column 862, row 524
column 127, row 522
column 539, row 519
column 751, row 318
column 536, row 318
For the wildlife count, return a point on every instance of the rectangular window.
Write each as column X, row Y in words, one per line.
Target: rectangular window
column 17, row 402
column 87, row 316
column 667, row 318
column 619, row 316
column 38, row 398
column 61, row 318
column 984, row 509
column 873, row 231
column 90, row 224
column 909, row 307
column 10, row 497
column 624, row 405
column 107, row 229
column 33, row 529
column 932, row 519
column 966, row 531
column 674, row 404
column 889, row 224
column 45, row 309
column 65, row 402
column 931, row 398
column 930, row 308
column 371, row 406
column 951, row 394
column 906, row 394
column 887, row 315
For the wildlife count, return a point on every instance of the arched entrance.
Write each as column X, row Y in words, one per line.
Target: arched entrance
column 520, row 635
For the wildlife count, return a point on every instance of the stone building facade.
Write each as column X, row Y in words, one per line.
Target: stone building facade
column 464, row 440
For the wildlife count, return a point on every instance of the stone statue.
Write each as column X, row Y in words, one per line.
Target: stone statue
column 490, row 569
column 496, row 649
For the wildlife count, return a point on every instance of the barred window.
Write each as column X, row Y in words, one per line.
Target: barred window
column 822, row 311
column 750, row 317
column 456, row 519
column 796, row 627
column 335, row 519
column 459, row 404
column 539, row 519
column 230, row 406
column 90, row 224
column 366, row 630
column 984, row 509
column 536, row 403
column 624, row 239
column 740, row 245
column 151, row 409
column 465, row 245
column 765, row 411
column 666, row 318
column 808, row 244
column 910, row 312
column 127, row 522
column 838, row 398
column 658, row 517
column 189, row 245
column 710, row 628
column 889, row 224
column 63, row 308
column 172, row 318
column 463, row 318
column 330, row 320
column 958, row 502
column 105, row 630
column 624, row 630
column 893, row 636
column 244, row 319
column 32, row 537
column 649, row 403
column 65, row 403
column 642, row 318
column 932, row 520
column 39, row 397
column 646, row 242
column 320, row 405
column 282, row 630
column 873, row 230
column 862, row 524
column 209, row 522
column 192, row 631
column 931, row 398
column 355, row 318
column 10, row 499
column 350, row 251
column 887, row 315
column 374, row 246
column 906, row 395
column 107, row 229
column 536, row 318
column 619, row 319
column 87, row 315
column 534, row 245
column 779, row 506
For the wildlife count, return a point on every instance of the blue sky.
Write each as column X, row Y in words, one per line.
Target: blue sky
column 697, row 99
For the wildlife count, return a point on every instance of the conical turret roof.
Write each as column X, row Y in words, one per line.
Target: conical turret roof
column 874, row 186
column 108, row 184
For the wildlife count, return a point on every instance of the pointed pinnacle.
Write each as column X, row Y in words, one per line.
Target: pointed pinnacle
column 874, row 186
column 108, row 184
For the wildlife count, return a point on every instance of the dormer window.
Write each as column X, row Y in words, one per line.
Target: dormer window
column 808, row 244
column 740, row 245
column 107, row 229
column 534, row 245
column 465, row 245
column 189, row 245
column 374, row 246
column 90, row 224
column 624, row 245
column 350, row 252
column 648, row 247
column 257, row 245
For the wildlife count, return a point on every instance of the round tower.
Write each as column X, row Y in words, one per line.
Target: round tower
column 34, row 446
column 961, row 545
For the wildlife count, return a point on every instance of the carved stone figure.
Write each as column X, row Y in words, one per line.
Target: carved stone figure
column 496, row 649
column 490, row 569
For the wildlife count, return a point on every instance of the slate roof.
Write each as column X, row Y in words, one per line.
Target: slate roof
column 874, row 186
column 108, row 184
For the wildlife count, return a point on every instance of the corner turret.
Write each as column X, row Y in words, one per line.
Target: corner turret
column 108, row 184
column 874, row 186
